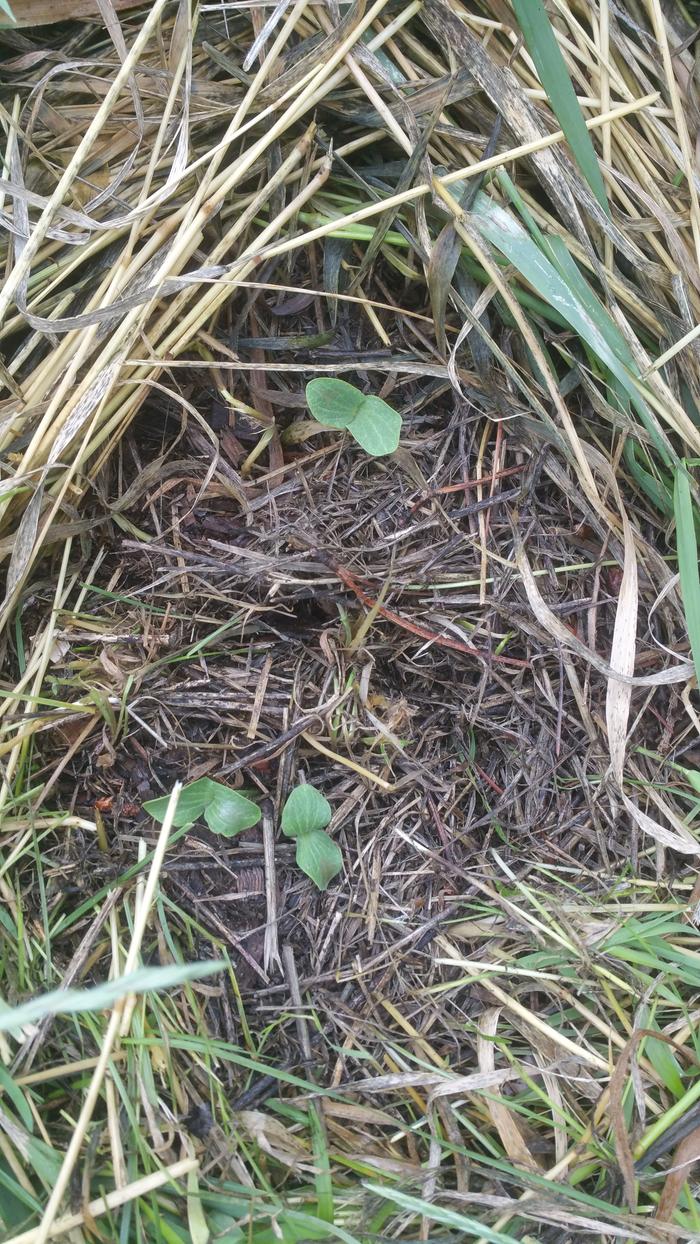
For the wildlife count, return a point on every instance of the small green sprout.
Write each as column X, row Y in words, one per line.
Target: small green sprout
column 304, row 817
column 225, row 811
column 370, row 420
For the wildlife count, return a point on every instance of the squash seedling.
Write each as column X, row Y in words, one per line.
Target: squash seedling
column 304, row 817
column 225, row 811
column 374, row 424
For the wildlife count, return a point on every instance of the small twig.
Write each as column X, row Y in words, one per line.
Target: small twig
column 290, row 972
column 414, row 628
column 273, row 747
column 271, row 950
column 349, row 764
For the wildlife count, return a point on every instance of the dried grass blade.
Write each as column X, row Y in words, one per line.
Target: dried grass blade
column 684, row 1158
column 505, row 1121
column 446, row 252
column 567, row 639
column 622, row 654
column 388, row 217
column 18, row 273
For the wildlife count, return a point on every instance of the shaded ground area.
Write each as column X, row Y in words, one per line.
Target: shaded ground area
column 329, row 621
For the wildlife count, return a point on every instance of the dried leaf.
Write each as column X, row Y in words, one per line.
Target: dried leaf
column 686, row 1155
column 623, row 1149
column 623, row 651
column 441, row 269
column 509, row 1127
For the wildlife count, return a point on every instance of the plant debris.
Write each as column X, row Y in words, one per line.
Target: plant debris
column 477, row 647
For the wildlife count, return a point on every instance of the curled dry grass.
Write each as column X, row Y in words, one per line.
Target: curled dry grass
column 487, row 1028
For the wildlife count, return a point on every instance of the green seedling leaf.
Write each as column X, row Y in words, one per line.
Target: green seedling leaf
column 374, row 424
column 376, row 427
column 228, row 812
column 306, row 810
column 305, row 816
column 333, row 402
column 225, row 811
column 191, row 804
column 542, row 45
column 319, row 857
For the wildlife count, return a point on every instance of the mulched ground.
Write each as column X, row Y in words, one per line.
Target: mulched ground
column 225, row 618
column 253, row 598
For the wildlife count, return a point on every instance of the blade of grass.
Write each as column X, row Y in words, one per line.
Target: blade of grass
column 441, row 1214
column 542, row 45
column 75, row 1001
column 687, row 546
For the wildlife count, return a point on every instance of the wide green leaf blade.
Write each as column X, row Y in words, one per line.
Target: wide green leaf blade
column 376, row 427
column 333, row 402
column 191, row 804
column 198, row 1228
column 319, row 857
column 228, row 812
column 556, row 250
column 101, row 997
column 16, row 1095
column 304, row 811
column 508, row 236
column 542, row 45
column 665, row 1065
column 687, row 545
column 655, row 489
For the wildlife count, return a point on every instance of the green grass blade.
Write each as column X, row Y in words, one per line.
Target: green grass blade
column 542, row 45
column 555, row 277
column 70, row 1001
column 508, row 236
column 687, row 545
column 441, row 1214
column 323, row 1178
